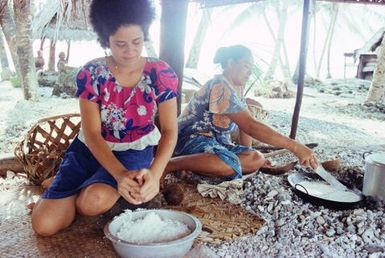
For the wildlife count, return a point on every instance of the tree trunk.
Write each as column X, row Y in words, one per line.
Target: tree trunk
column 42, row 41
column 3, row 55
column 329, row 36
column 52, row 56
column 9, row 29
column 68, row 50
column 377, row 89
column 284, row 66
column 282, row 14
column 193, row 58
column 334, row 22
column 23, row 20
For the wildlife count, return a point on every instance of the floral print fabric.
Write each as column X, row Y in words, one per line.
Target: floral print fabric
column 205, row 115
column 127, row 114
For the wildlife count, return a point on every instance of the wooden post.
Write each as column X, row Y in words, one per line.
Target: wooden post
column 302, row 67
column 8, row 161
column 172, row 38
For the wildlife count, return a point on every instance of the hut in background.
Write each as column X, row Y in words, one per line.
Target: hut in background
column 367, row 56
column 62, row 21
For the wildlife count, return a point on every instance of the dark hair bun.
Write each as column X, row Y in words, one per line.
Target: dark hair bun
column 220, row 55
column 235, row 52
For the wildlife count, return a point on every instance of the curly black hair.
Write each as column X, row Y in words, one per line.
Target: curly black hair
column 108, row 15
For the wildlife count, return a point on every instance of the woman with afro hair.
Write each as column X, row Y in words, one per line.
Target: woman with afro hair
column 119, row 94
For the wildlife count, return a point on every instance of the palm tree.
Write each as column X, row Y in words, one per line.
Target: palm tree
column 279, row 40
column 52, row 55
column 193, row 58
column 9, row 29
column 3, row 55
column 335, row 9
column 23, row 21
column 329, row 36
column 377, row 88
column 279, row 54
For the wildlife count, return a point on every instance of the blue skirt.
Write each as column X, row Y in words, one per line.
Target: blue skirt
column 80, row 169
column 227, row 153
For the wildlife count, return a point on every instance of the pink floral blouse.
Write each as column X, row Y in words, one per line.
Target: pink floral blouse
column 127, row 114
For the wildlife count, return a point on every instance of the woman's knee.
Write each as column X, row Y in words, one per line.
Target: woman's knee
column 228, row 171
column 252, row 161
column 95, row 200
column 45, row 226
column 47, row 220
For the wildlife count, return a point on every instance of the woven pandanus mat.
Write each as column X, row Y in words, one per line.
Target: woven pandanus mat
column 43, row 147
column 221, row 220
column 84, row 238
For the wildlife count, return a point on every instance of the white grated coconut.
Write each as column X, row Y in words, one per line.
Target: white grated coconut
column 150, row 229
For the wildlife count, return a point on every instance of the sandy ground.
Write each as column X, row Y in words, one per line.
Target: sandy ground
column 324, row 118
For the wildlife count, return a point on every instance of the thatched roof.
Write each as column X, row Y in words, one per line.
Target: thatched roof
column 377, row 39
column 214, row 3
column 68, row 19
column 371, row 44
column 63, row 20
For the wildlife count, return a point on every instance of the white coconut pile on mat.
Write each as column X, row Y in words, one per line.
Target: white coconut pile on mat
column 150, row 229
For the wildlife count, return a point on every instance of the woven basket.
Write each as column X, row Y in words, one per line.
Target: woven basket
column 43, row 147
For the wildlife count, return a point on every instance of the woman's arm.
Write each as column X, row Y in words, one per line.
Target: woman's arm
column 267, row 135
column 169, row 131
column 91, row 126
column 244, row 139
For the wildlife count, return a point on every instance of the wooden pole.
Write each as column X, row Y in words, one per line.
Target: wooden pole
column 302, row 67
column 172, row 38
column 9, row 162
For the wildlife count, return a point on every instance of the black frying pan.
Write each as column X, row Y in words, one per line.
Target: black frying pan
column 309, row 186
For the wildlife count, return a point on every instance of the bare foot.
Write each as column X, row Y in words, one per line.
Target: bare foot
column 184, row 175
column 30, row 206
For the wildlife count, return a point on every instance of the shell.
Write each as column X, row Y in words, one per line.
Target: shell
column 331, row 165
column 173, row 194
column 278, row 170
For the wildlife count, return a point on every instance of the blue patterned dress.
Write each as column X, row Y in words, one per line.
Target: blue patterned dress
column 204, row 126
